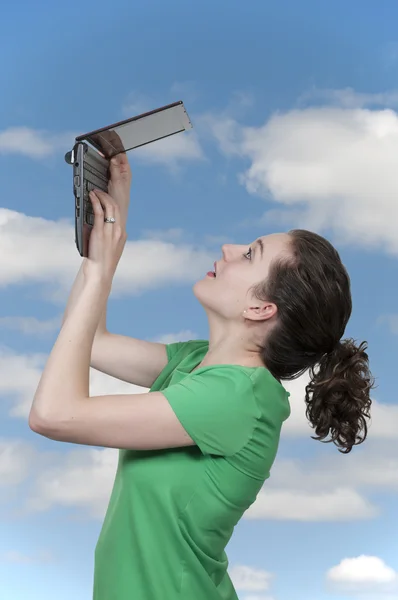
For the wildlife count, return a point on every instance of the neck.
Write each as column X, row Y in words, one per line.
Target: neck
column 231, row 343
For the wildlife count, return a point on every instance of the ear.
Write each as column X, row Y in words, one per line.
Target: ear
column 262, row 312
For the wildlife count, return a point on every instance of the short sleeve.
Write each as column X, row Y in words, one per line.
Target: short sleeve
column 173, row 349
column 216, row 407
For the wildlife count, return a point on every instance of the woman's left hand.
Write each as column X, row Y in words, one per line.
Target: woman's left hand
column 107, row 240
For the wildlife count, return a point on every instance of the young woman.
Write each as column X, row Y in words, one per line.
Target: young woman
column 196, row 450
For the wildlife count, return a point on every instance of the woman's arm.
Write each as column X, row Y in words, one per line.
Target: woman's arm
column 62, row 409
column 65, row 379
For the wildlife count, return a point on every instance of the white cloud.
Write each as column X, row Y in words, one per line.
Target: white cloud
column 224, row 126
column 38, row 144
column 363, row 569
column 170, row 235
column 20, row 375
column 327, row 167
column 375, row 465
column 249, row 579
column 330, row 488
column 383, row 424
column 53, row 259
column 181, row 147
column 102, row 384
column 52, row 256
column 183, row 336
column 339, row 504
column 240, row 99
column 34, row 143
column 16, row 459
column 147, row 265
column 363, row 573
column 217, row 240
column 391, row 320
column 187, row 91
column 310, row 490
column 31, row 325
column 225, row 129
column 349, row 98
column 17, row 557
column 19, row 378
column 137, row 104
column 81, row 479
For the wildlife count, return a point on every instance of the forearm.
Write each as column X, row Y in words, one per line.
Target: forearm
column 65, row 379
column 74, row 296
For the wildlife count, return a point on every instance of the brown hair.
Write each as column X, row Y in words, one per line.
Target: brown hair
column 313, row 295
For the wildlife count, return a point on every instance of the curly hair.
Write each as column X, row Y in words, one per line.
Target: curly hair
column 312, row 292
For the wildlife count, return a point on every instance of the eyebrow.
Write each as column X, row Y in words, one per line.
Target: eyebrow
column 259, row 243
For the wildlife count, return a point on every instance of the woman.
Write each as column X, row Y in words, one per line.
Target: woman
column 196, row 450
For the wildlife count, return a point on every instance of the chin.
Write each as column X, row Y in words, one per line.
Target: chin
column 197, row 289
column 203, row 292
column 209, row 300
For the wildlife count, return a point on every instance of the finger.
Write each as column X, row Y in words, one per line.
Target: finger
column 108, row 206
column 111, row 209
column 104, row 196
column 98, row 211
column 120, row 167
column 116, row 142
column 103, row 144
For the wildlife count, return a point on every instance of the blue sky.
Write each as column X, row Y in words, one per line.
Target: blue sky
column 295, row 124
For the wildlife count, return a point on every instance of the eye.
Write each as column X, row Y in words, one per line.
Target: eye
column 248, row 254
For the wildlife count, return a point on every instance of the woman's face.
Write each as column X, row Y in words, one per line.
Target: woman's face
column 240, row 268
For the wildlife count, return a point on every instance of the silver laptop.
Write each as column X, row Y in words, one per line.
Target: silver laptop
column 92, row 151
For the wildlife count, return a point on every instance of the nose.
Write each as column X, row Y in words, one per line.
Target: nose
column 229, row 251
column 224, row 249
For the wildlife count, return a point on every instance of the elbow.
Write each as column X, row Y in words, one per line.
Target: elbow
column 37, row 424
column 40, row 418
column 57, row 427
column 43, row 424
column 46, row 428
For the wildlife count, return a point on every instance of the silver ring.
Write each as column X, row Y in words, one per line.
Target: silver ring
column 109, row 220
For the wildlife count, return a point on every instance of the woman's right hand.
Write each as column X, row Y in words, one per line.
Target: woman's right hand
column 120, row 183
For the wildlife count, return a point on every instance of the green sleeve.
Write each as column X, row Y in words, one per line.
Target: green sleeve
column 172, row 349
column 184, row 348
column 217, row 408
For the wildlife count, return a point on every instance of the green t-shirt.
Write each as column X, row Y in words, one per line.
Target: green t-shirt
column 172, row 512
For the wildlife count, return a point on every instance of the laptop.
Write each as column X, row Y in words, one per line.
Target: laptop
column 92, row 152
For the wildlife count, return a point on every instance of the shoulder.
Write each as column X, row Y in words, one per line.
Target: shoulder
column 271, row 396
column 216, row 406
column 231, row 378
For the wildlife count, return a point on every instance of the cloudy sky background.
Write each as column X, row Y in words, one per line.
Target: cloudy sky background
column 294, row 107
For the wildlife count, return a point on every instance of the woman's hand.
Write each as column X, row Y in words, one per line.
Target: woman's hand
column 120, row 183
column 107, row 240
